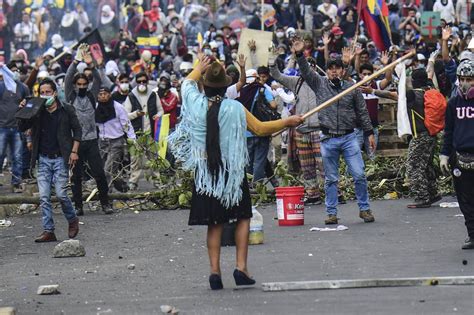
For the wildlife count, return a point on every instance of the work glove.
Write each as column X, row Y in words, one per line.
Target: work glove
column 443, row 164
column 434, row 55
column 80, row 53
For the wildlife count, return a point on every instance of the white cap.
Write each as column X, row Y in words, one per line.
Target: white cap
column 111, row 14
column 146, row 55
column 466, row 55
column 185, row 65
column 420, row 57
column 111, row 68
column 251, row 75
column 57, row 41
column 43, row 74
column 290, row 30
column 49, row 52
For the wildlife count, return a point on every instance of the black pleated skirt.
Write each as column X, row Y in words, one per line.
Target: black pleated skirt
column 206, row 210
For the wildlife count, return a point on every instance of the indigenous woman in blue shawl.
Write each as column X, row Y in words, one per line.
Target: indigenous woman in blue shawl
column 210, row 140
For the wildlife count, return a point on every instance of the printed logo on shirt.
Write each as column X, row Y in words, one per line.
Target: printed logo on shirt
column 465, row 112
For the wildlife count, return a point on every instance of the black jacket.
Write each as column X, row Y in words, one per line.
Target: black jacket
column 69, row 130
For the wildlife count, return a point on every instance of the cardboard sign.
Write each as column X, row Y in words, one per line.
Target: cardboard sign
column 263, row 41
column 430, row 21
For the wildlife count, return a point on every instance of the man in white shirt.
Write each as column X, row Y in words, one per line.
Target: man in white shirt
column 446, row 9
column 26, row 34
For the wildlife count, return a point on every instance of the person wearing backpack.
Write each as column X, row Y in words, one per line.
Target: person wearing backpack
column 83, row 99
column 426, row 108
column 457, row 153
column 260, row 102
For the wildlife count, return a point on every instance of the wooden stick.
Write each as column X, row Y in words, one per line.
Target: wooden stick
column 367, row 79
column 63, row 53
column 357, row 85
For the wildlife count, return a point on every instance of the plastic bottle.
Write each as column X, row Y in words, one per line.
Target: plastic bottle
column 256, row 228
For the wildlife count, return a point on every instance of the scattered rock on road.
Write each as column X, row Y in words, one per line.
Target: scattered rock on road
column 7, row 311
column 69, row 248
column 48, row 289
column 168, row 309
column 131, row 267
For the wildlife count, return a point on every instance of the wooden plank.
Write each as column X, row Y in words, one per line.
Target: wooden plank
column 366, row 283
column 392, row 152
column 390, row 139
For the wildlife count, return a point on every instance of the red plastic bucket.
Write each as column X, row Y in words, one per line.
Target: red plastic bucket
column 290, row 205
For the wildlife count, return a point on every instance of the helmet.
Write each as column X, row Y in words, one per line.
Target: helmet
column 466, row 69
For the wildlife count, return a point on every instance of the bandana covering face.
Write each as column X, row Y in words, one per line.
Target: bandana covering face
column 105, row 111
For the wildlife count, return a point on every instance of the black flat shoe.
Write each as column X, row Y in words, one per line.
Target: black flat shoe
column 215, row 282
column 242, row 279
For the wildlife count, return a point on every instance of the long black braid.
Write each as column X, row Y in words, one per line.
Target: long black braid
column 213, row 148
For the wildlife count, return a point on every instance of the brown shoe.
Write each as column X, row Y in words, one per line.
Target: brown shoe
column 74, row 228
column 367, row 216
column 332, row 219
column 46, row 237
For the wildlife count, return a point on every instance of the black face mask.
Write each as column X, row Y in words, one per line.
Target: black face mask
column 81, row 92
column 336, row 82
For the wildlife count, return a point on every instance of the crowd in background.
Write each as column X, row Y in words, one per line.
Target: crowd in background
column 38, row 37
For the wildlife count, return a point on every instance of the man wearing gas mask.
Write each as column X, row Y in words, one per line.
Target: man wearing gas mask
column 144, row 108
column 83, row 99
column 56, row 134
column 457, row 154
column 337, row 123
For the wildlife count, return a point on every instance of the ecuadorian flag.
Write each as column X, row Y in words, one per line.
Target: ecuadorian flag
column 162, row 129
column 374, row 13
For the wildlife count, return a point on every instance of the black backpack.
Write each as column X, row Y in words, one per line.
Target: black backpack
column 261, row 108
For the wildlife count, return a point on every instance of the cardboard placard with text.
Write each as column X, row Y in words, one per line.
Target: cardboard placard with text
column 263, row 41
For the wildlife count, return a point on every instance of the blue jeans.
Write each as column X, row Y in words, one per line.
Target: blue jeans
column 53, row 171
column 331, row 150
column 258, row 149
column 12, row 137
column 364, row 142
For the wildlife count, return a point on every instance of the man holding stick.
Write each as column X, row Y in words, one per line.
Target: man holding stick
column 337, row 123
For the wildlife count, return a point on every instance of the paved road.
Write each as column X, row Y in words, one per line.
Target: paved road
column 172, row 266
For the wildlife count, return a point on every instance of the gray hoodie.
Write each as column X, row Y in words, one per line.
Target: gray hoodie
column 344, row 115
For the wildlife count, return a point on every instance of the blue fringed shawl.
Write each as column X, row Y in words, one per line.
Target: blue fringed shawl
column 188, row 145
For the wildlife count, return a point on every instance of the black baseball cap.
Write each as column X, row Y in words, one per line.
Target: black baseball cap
column 335, row 62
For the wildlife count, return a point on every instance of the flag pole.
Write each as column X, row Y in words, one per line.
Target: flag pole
column 367, row 79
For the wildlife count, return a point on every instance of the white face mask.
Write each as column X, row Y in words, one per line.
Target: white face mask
column 234, row 56
column 124, row 87
column 16, row 75
column 280, row 34
column 142, row 88
column 325, row 23
column 407, row 62
column 233, row 42
column 49, row 100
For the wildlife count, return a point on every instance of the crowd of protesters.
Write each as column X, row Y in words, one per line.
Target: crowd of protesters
column 320, row 49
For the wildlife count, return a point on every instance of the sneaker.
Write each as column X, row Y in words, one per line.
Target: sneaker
column 107, row 209
column 367, row 216
column 332, row 219
column 132, row 186
column 468, row 244
column 420, row 203
column 312, row 201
